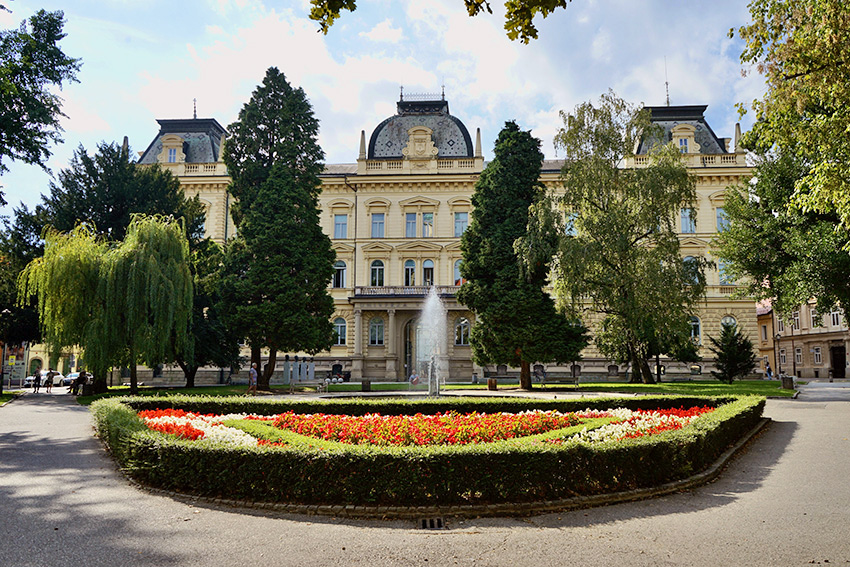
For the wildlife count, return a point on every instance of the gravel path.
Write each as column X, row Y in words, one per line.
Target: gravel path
column 784, row 502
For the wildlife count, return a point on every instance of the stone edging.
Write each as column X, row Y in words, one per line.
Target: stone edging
column 472, row 510
column 15, row 397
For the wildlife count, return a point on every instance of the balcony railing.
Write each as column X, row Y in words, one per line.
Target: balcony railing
column 403, row 291
column 697, row 160
column 192, row 169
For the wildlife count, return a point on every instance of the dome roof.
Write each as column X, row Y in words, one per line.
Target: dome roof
column 449, row 135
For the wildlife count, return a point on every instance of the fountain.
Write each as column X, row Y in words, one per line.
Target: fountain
column 431, row 354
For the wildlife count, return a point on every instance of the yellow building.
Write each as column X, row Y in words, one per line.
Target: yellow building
column 395, row 217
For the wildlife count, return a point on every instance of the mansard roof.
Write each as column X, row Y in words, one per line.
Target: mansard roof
column 668, row 117
column 449, row 135
column 201, row 139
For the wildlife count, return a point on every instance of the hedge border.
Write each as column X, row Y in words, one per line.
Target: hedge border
column 515, row 474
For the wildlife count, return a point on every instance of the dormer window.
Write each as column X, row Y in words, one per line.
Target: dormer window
column 683, row 145
column 172, row 155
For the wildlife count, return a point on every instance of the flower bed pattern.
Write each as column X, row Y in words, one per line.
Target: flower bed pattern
column 450, row 428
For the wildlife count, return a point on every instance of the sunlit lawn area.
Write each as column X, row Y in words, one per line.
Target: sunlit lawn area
column 7, row 395
column 695, row 388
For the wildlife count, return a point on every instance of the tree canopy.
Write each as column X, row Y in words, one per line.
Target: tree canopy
column 801, row 48
column 276, row 272
column 734, row 356
column 122, row 303
column 516, row 321
column 519, row 17
column 780, row 252
column 32, row 66
column 617, row 249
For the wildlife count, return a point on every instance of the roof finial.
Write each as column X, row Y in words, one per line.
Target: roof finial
column 195, row 108
column 666, row 83
column 401, row 93
column 444, row 91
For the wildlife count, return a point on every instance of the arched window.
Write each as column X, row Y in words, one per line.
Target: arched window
column 428, row 272
column 462, row 331
column 695, row 330
column 377, row 273
column 458, row 278
column 376, row 331
column 728, row 321
column 340, row 328
column 339, row 274
column 409, row 272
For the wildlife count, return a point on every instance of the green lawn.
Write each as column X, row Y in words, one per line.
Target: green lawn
column 695, row 388
column 8, row 395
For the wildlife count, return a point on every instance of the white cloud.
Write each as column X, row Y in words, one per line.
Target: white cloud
column 384, row 32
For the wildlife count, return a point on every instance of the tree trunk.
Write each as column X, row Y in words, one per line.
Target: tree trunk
column 635, row 378
column 134, row 379
column 266, row 375
column 188, row 371
column 646, row 373
column 525, row 375
column 658, row 368
column 99, row 383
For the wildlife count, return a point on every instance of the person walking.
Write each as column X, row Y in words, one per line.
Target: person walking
column 48, row 380
column 252, row 380
column 36, row 381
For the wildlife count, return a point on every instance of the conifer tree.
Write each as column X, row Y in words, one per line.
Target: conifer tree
column 276, row 273
column 516, row 321
column 734, row 356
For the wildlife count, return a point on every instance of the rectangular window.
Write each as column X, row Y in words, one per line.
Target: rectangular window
column 461, row 222
column 817, row 355
column 377, row 225
column 782, row 359
column 836, row 318
column 798, row 355
column 722, row 221
column 689, row 221
column 410, row 225
column 795, row 319
column 817, row 320
column 427, row 225
column 172, row 155
column 781, row 326
column 340, row 226
column 683, row 145
column 764, row 332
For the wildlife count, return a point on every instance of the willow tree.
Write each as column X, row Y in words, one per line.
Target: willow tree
column 121, row 303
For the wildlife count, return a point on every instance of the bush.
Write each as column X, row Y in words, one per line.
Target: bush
column 312, row 471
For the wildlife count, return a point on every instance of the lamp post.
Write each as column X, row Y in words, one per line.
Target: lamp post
column 776, row 355
column 3, row 322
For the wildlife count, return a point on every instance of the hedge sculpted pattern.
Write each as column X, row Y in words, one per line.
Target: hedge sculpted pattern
column 312, row 471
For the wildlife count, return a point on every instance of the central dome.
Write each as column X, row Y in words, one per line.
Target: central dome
column 448, row 134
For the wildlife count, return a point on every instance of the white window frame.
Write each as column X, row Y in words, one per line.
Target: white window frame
column 410, row 225
column 798, row 355
column 340, row 270
column 689, row 221
column 376, row 332
column 462, row 331
column 783, row 359
column 795, row 320
column 341, row 328
column 377, row 273
column 428, row 225
column 461, row 223
column 817, row 355
column 340, row 226
column 428, row 271
column 378, row 225
column 836, row 318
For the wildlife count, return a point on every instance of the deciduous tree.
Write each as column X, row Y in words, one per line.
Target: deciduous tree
column 515, row 319
column 32, row 67
column 618, row 251
column 801, row 47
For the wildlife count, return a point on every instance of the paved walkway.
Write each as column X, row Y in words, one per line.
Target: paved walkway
column 784, row 502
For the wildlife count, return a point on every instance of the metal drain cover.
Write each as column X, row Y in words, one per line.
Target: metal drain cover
column 432, row 524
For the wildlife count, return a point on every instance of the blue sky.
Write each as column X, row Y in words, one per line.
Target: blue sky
column 144, row 60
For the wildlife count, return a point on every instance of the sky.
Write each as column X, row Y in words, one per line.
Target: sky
column 144, row 60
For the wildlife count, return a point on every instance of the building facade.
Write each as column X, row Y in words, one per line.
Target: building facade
column 396, row 215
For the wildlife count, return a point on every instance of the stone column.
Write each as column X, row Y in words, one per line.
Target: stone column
column 392, row 341
column 357, row 359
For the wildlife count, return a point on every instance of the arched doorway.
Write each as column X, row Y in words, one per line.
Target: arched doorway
column 418, row 344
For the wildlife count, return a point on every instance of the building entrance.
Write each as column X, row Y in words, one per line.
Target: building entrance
column 838, row 361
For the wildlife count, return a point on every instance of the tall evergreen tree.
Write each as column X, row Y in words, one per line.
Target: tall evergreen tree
column 516, row 320
column 276, row 273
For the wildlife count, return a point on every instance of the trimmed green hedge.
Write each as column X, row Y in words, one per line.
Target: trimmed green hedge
column 313, row 471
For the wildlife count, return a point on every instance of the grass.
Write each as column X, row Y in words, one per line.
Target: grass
column 8, row 395
column 693, row 388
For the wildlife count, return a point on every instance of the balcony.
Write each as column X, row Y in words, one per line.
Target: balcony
column 403, row 291
column 696, row 160
column 195, row 169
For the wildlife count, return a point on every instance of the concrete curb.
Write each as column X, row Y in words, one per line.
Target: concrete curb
column 471, row 510
column 15, row 397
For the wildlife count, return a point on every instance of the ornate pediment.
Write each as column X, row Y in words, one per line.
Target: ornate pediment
column 692, row 242
column 419, row 201
column 419, row 246
column 453, row 247
column 377, row 247
column 342, row 248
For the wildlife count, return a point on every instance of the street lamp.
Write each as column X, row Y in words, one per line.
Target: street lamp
column 5, row 315
column 776, row 356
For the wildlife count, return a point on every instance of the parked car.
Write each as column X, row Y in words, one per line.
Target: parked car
column 69, row 379
column 58, row 379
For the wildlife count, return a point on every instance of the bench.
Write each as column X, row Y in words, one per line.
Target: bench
column 318, row 383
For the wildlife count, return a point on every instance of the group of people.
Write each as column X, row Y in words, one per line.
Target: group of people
column 73, row 388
